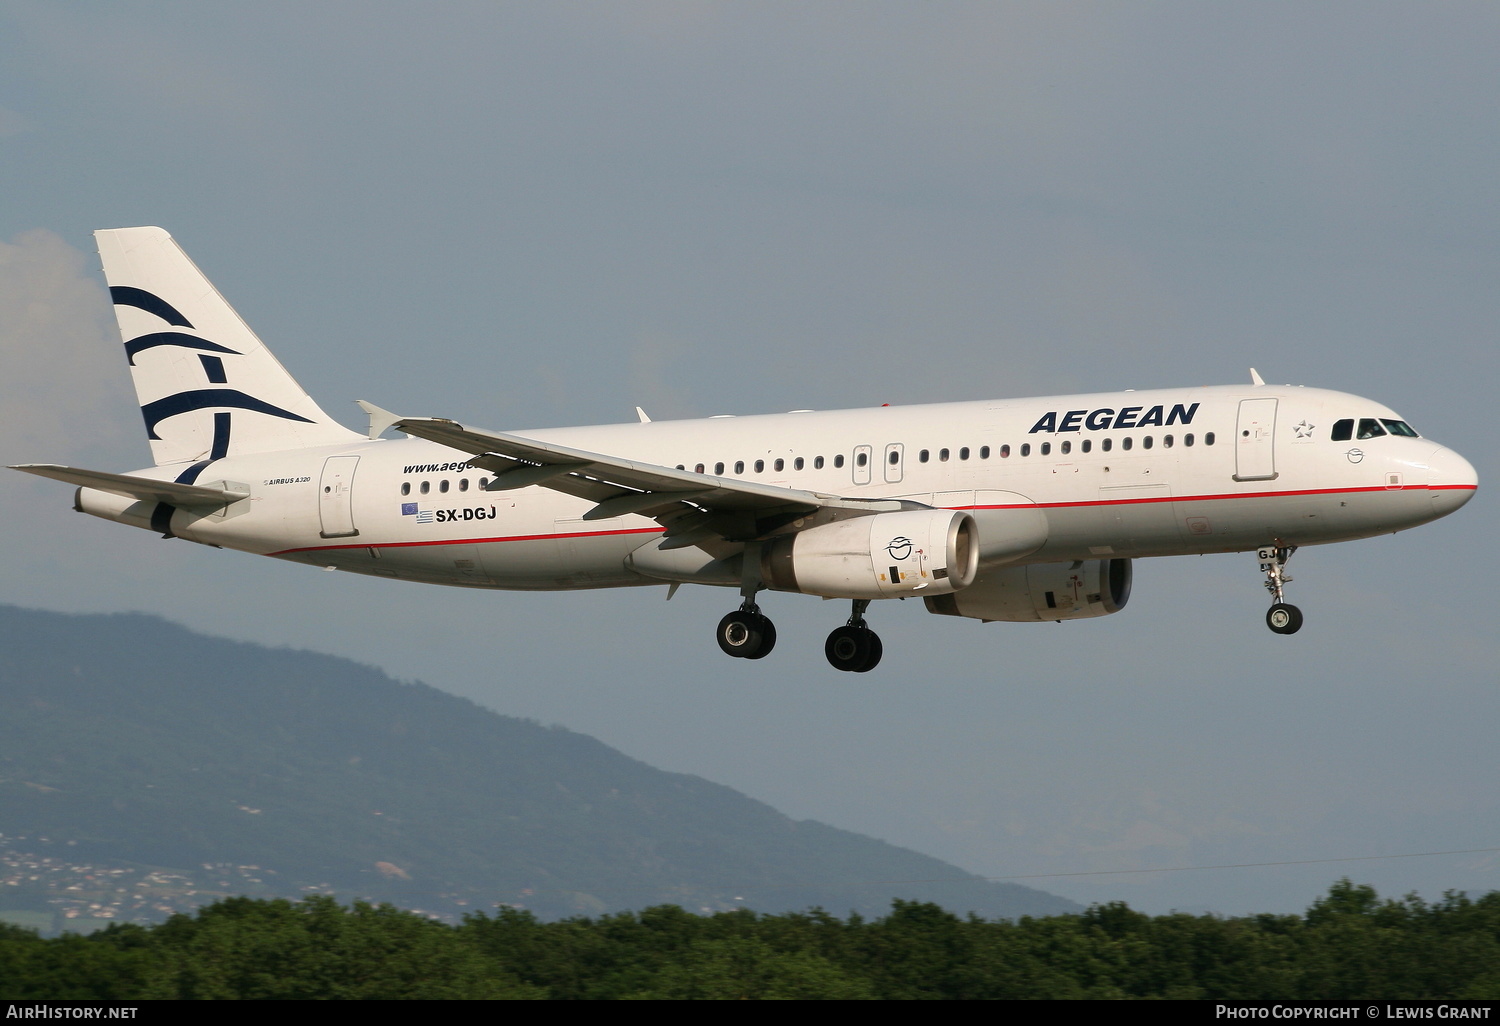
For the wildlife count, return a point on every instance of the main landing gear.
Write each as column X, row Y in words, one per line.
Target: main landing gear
column 747, row 633
column 854, row 647
column 1281, row 617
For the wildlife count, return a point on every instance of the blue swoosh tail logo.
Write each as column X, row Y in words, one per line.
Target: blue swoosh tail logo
column 129, row 295
column 173, row 338
column 208, row 398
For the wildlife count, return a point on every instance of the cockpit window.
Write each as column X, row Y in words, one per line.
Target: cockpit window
column 1369, row 427
column 1342, row 431
column 1399, row 427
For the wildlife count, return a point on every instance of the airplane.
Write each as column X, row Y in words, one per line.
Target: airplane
column 1000, row 510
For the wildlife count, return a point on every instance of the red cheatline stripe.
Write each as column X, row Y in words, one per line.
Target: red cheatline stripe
column 1042, row 505
column 470, row 541
column 1225, row 495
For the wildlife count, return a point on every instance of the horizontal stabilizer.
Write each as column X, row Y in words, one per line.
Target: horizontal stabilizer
column 143, row 488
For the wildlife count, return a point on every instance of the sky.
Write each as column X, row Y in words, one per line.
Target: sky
column 523, row 215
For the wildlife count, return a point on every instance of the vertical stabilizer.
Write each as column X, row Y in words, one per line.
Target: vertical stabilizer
column 208, row 387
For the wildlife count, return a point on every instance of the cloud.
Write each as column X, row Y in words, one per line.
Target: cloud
column 64, row 389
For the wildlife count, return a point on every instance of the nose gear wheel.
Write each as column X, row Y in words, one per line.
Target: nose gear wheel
column 1281, row 617
column 1284, row 619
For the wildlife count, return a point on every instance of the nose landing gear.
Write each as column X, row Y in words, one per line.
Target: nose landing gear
column 1281, row 617
column 854, row 647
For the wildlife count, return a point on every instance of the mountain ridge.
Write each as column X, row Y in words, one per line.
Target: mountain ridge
column 125, row 738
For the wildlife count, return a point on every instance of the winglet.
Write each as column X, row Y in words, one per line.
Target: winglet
column 1255, row 378
column 642, row 414
column 379, row 419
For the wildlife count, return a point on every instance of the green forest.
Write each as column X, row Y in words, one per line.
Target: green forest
column 1350, row 944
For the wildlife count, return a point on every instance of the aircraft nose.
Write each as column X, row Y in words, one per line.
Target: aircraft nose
column 1451, row 480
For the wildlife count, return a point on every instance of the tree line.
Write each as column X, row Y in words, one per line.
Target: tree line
column 1349, row 944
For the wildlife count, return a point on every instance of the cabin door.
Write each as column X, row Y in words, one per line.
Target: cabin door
column 1254, row 456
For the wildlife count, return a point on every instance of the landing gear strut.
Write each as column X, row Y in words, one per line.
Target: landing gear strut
column 1281, row 617
column 854, row 647
column 747, row 633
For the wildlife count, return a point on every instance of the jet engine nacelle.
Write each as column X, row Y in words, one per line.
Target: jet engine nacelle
column 1042, row 591
column 885, row 555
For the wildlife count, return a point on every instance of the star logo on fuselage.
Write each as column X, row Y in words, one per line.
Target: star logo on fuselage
column 1304, row 430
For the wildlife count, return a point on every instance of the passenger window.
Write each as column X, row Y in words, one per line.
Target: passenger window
column 484, row 484
column 861, row 459
column 984, row 452
column 405, row 487
column 1187, row 440
column 1166, row 441
column 760, row 465
column 963, row 453
column 739, row 466
column 1088, row 445
column 779, row 465
column 443, row 486
column 463, row 484
column 1005, row 452
column 1399, row 427
column 797, row 463
column 1067, row 447
column 817, row 463
column 1208, row 438
column 1026, row 449
column 1126, row 443
column 718, row 468
column 681, row 467
column 1109, row 443
column 1370, row 428
column 698, row 469
column 838, row 461
column 942, row 455
column 922, row 456
column 426, row 487
column 1146, row 442
column 895, row 457
column 1046, row 448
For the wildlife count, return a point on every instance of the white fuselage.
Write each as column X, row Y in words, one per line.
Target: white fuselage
column 1129, row 474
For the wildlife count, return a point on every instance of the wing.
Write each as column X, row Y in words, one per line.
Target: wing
column 695, row 509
